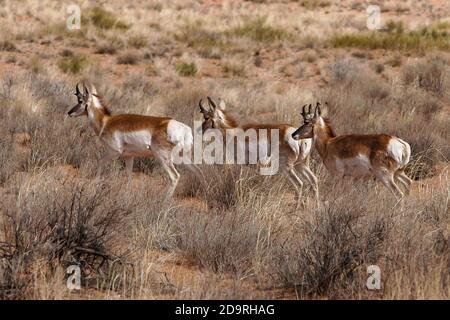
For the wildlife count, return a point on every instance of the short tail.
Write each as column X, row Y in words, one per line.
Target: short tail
column 406, row 153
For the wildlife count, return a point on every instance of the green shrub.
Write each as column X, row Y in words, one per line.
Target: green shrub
column 430, row 75
column 129, row 57
column 186, row 69
column 395, row 26
column 233, row 70
column 73, row 64
column 259, row 30
column 206, row 43
column 395, row 39
column 103, row 19
column 443, row 25
column 314, row 4
column 137, row 41
column 379, row 68
column 7, row 46
column 106, row 48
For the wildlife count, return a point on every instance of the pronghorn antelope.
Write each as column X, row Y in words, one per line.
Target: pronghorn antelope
column 358, row 156
column 129, row 136
column 291, row 152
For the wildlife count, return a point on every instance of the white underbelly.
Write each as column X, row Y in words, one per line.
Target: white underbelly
column 357, row 167
column 129, row 144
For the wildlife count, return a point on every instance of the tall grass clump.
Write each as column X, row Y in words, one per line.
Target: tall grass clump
column 207, row 43
column 326, row 255
column 231, row 69
column 186, row 69
column 395, row 39
column 103, row 19
column 54, row 225
column 74, row 64
column 431, row 75
column 259, row 30
column 314, row 4
column 128, row 57
column 6, row 45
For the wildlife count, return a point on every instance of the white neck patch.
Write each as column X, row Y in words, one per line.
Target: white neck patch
column 222, row 117
column 321, row 122
column 96, row 102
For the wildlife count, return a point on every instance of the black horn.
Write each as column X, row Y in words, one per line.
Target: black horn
column 202, row 109
column 211, row 102
column 77, row 90
column 86, row 91
column 317, row 111
column 303, row 113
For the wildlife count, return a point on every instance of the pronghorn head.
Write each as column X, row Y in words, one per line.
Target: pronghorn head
column 213, row 117
column 309, row 121
column 84, row 100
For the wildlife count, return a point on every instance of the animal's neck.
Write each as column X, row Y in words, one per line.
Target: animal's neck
column 97, row 118
column 323, row 132
column 228, row 122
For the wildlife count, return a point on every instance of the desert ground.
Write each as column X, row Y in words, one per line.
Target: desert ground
column 239, row 235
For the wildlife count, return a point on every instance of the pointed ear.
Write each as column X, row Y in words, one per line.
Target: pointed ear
column 86, row 91
column 303, row 113
column 202, row 109
column 93, row 90
column 212, row 104
column 317, row 111
column 77, row 90
column 222, row 105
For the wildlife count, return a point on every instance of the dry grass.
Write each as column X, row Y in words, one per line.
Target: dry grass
column 104, row 19
column 396, row 39
column 238, row 235
column 259, row 30
column 128, row 57
column 6, row 45
column 73, row 63
column 186, row 69
column 431, row 75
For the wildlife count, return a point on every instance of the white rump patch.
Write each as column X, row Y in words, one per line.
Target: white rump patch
column 396, row 148
column 179, row 134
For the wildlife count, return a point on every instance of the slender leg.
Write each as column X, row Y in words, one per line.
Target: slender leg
column 404, row 180
column 298, row 184
column 109, row 156
column 401, row 182
column 165, row 158
column 388, row 181
column 311, row 178
column 129, row 168
column 174, row 177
